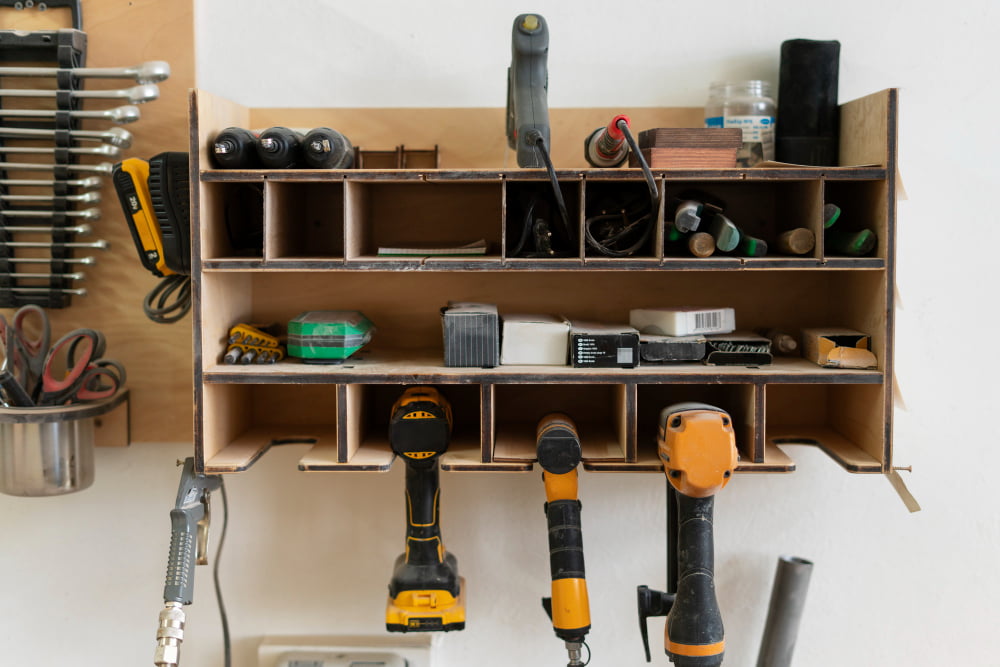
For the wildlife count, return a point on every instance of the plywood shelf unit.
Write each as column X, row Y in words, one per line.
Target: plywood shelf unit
column 270, row 244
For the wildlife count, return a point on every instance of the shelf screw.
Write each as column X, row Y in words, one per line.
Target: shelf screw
column 906, row 468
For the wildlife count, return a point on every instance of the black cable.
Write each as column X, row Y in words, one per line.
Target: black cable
column 539, row 141
column 158, row 305
column 606, row 245
column 654, row 192
column 226, row 644
column 589, row 654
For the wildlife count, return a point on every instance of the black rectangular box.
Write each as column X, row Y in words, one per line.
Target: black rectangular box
column 471, row 335
column 594, row 345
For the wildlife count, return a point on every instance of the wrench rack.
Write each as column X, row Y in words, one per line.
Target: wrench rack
column 49, row 287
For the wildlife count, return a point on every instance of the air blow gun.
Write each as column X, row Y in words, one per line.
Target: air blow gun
column 189, row 521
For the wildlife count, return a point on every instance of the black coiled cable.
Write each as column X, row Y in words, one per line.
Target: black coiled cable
column 170, row 300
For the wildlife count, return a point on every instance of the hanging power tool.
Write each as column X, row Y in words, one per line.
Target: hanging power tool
column 154, row 196
column 189, row 522
column 559, row 453
column 697, row 446
column 529, row 133
column 425, row 593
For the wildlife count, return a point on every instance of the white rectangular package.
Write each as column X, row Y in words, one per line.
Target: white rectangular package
column 534, row 340
column 683, row 321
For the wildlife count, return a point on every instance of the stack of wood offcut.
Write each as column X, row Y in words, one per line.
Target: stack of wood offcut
column 689, row 148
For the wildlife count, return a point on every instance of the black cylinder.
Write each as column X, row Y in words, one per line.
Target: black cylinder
column 235, row 148
column 808, row 127
column 279, row 148
column 565, row 539
column 323, row 148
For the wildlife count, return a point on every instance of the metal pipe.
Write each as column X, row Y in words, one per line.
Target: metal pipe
column 788, row 598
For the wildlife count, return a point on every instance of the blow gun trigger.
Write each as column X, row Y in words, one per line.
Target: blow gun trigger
column 201, row 545
column 651, row 603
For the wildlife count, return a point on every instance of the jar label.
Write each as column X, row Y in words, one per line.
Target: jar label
column 756, row 130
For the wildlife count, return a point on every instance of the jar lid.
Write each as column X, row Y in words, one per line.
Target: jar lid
column 757, row 88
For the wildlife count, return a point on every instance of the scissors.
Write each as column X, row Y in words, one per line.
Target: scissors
column 87, row 376
column 26, row 353
column 13, row 394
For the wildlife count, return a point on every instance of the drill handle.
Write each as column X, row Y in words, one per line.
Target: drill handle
column 694, row 625
column 651, row 603
column 423, row 520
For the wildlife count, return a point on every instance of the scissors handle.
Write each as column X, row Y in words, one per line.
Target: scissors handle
column 57, row 392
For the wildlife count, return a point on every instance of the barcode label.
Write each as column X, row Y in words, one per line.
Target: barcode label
column 712, row 320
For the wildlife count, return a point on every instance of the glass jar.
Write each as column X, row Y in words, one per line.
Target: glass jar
column 749, row 106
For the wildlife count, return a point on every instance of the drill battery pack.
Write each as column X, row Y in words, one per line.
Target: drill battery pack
column 426, row 610
column 328, row 336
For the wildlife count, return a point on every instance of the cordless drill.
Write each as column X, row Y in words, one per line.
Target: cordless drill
column 189, row 521
column 559, row 453
column 425, row 593
column 698, row 449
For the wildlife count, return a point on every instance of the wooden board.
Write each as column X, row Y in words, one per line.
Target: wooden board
column 158, row 357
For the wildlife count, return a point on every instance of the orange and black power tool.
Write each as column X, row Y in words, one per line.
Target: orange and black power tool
column 425, row 593
column 559, row 453
column 697, row 447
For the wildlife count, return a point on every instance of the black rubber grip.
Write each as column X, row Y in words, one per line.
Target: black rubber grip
column 180, row 568
column 695, row 618
column 565, row 539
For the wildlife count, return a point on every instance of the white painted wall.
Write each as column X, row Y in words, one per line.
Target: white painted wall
column 82, row 575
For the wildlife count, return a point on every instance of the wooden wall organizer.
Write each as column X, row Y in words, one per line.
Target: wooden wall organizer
column 316, row 233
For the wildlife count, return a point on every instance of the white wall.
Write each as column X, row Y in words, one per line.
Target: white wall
column 82, row 575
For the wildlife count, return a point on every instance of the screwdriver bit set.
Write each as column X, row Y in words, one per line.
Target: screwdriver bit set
column 58, row 140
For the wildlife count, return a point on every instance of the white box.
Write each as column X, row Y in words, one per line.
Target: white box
column 683, row 321
column 534, row 340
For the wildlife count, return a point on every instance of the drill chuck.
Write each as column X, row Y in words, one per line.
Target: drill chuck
column 235, row 148
column 324, row 148
column 169, row 636
column 279, row 148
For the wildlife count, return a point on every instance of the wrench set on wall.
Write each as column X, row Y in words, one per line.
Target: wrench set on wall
column 57, row 141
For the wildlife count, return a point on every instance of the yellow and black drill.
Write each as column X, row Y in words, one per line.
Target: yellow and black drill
column 559, row 453
column 425, row 594
column 697, row 447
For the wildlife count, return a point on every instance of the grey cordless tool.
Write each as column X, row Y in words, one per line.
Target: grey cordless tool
column 189, row 522
column 527, row 89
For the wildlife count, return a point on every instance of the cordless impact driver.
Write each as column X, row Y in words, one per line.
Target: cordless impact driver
column 697, row 447
column 425, row 593
column 559, row 453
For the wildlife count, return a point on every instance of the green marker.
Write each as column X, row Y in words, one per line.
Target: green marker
column 751, row 246
column 725, row 233
column 851, row 243
column 831, row 213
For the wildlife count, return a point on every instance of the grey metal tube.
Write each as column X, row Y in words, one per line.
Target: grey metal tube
column 788, row 598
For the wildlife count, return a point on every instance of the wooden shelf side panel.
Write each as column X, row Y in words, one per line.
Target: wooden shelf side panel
column 868, row 130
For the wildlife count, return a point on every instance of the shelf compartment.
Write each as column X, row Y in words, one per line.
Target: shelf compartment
column 846, row 421
column 405, row 305
column 240, row 422
column 368, row 407
column 421, row 213
column 604, row 197
column 536, row 198
column 863, row 205
column 739, row 400
column 763, row 209
column 304, row 220
column 603, row 414
column 238, row 209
